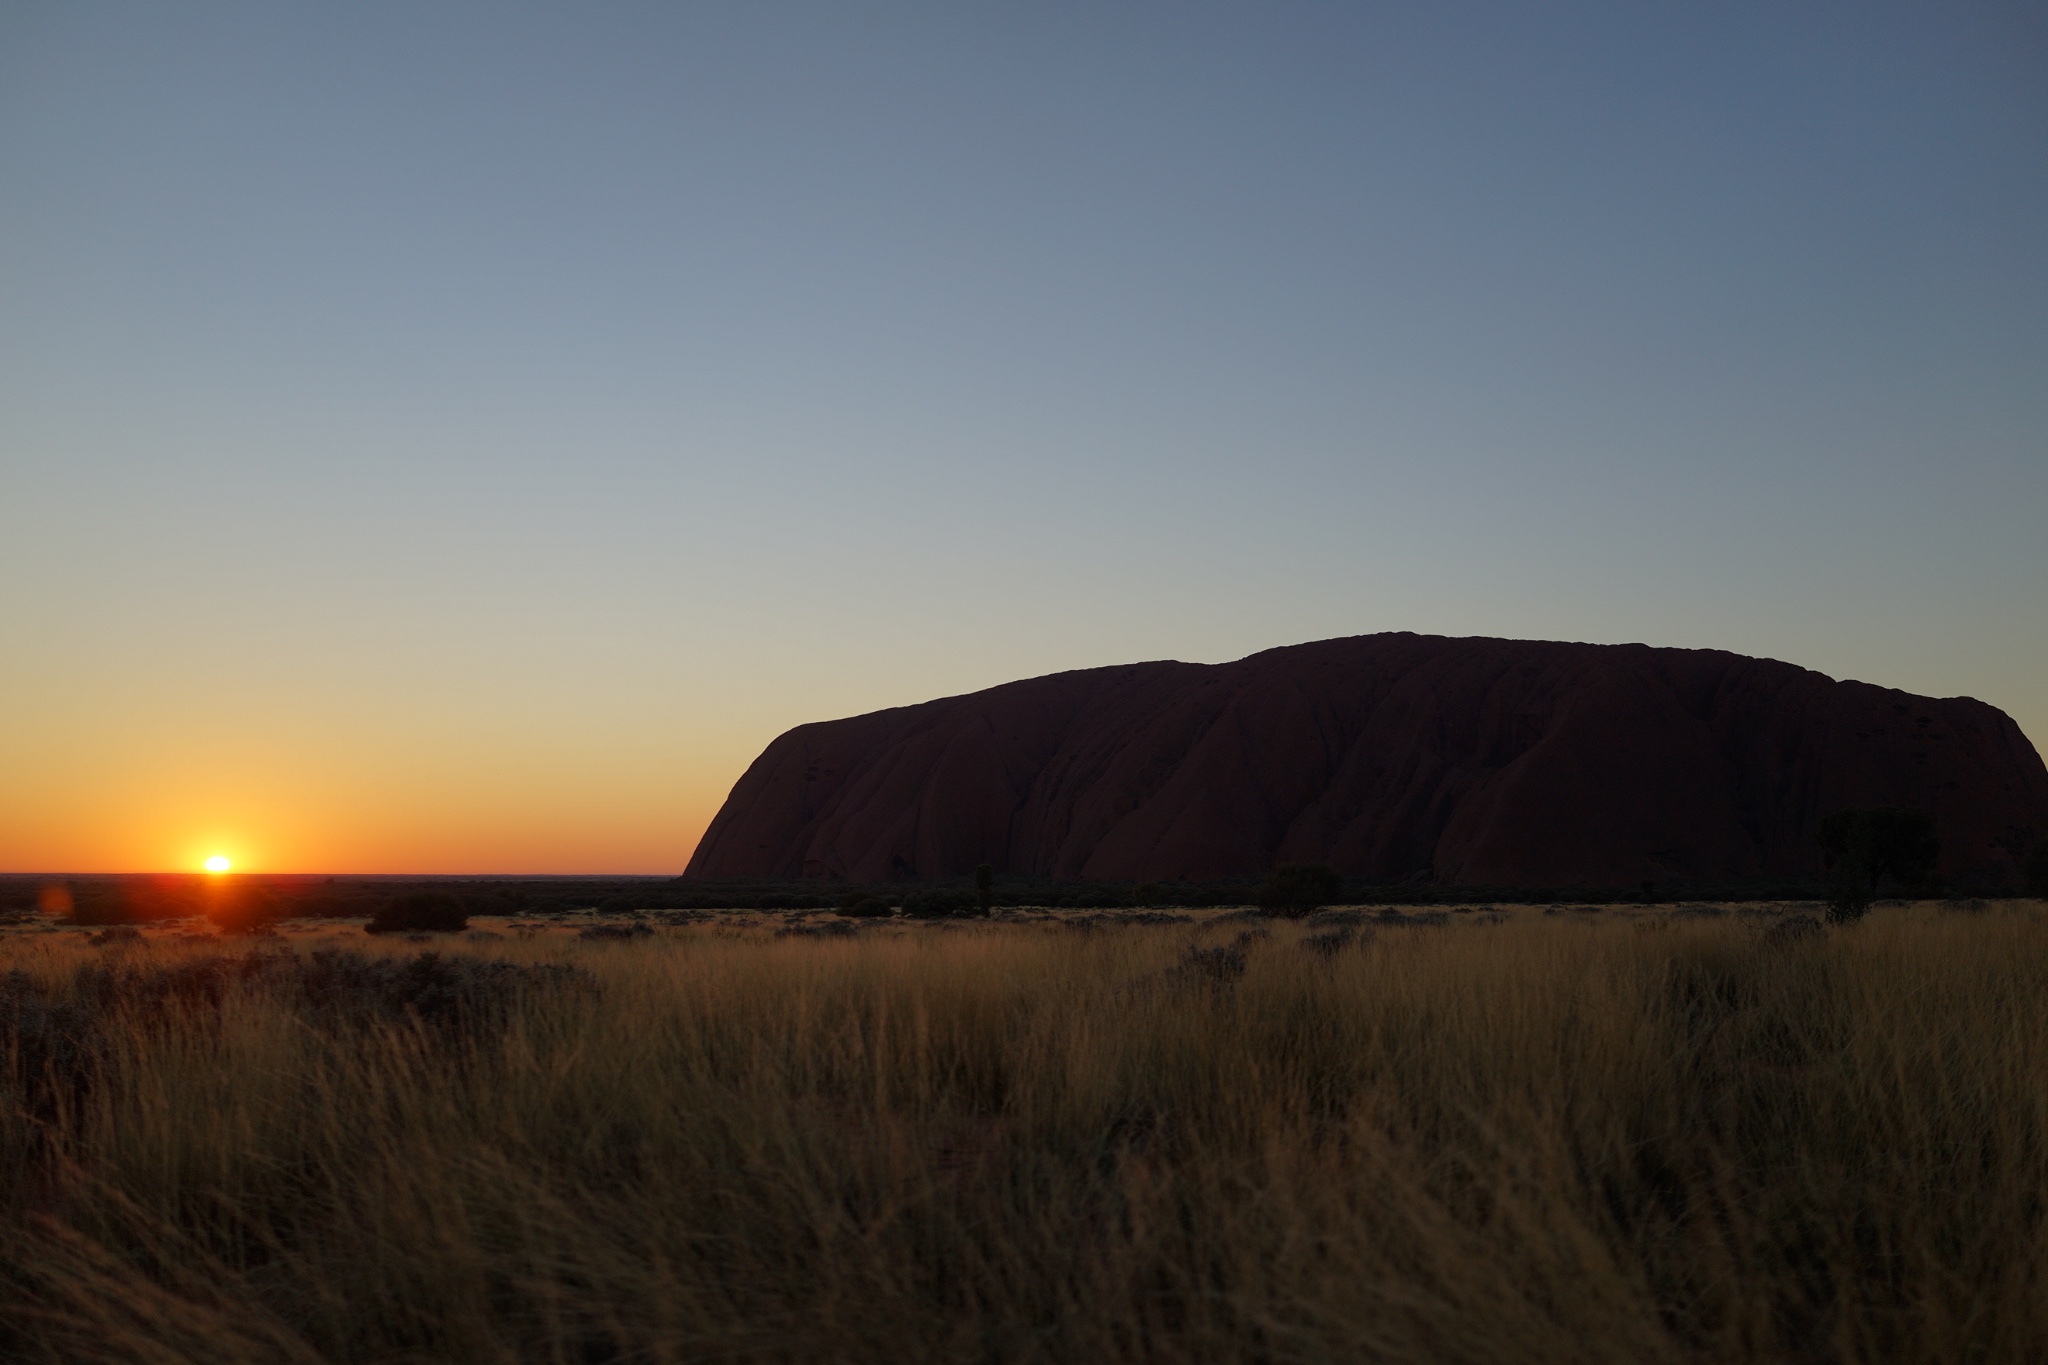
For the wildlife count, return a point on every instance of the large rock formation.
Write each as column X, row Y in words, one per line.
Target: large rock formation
column 1493, row 762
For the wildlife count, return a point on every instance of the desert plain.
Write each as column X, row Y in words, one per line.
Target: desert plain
column 1688, row 1132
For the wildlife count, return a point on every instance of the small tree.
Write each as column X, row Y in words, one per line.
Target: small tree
column 420, row 912
column 985, row 887
column 1862, row 848
column 1296, row 889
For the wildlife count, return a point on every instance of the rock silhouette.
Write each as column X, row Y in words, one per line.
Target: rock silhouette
column 1397, row 756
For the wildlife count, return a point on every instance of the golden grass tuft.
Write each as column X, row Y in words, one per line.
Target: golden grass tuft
column 1571, row 1139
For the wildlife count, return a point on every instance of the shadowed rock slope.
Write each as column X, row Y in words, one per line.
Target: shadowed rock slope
column 1478, row 761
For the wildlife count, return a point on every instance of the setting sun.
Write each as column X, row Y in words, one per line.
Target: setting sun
column 217, row 863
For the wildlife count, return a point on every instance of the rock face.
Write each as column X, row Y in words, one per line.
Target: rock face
column 1477, row 761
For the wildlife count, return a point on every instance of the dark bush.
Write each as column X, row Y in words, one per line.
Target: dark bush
column 2037, row 870
column 984, row 889
column 1425, row 918
column 1863, row 848
column 1795, row 929
column 939, row 904
column 830, row 928
column 1849, row 896
column 617, row 931
column 421, row 912
column 1296, row 889
column 1330, row 942
column 1213, row 966
column 447, row 992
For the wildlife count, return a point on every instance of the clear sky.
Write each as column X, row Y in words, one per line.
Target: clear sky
column 444, row 437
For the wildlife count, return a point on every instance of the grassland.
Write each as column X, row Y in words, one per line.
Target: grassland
column 1580, row 1137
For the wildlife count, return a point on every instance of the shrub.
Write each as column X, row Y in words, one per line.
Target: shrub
column 624, row 932
column 1795, row 929
column 984, row 888
column 1330, row 942
column 1217, row 966
column 447, row 992
column 1849, row 895
column 867, row 907
column 421, row 912
column 939, row 904
column 2037, row 870
column 830, row 928
column 1863, row 847
column 1296, row 889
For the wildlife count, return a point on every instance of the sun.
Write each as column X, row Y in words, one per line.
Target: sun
column 217, row 863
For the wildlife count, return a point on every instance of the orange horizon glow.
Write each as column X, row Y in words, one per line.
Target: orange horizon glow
column 313, row 816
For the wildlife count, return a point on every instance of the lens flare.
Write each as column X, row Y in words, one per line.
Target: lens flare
column 218, row 864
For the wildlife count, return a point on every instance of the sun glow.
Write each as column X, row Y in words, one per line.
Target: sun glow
column 217, row 863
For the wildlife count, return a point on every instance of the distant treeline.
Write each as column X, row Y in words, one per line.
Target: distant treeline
column 251, row 898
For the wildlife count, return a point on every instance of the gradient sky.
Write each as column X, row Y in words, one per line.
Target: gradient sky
column 441, row 437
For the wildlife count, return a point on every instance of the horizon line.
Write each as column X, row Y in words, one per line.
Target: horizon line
column 201, row 872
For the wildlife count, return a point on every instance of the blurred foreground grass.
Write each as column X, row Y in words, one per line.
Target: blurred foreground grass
column 1544, row 1139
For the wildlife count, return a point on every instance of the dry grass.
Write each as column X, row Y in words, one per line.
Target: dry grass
column 1563, row 1138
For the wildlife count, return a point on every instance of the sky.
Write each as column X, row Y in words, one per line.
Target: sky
column 457, row 438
